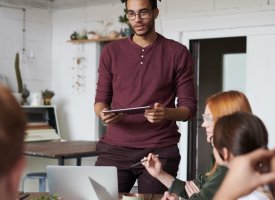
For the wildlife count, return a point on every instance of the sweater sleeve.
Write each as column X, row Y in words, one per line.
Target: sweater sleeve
column 184, row 80
column 178, row 187
column 208, row 185
column 104, row 92
column 211, row 185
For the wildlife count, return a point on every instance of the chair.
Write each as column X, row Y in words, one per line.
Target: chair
column 41, row 176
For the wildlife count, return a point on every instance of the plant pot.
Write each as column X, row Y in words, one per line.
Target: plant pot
column 36, row 99
column 47, row 101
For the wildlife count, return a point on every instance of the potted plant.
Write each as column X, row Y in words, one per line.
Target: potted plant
column 123, row 20
column 47, row 96
column 46, row 197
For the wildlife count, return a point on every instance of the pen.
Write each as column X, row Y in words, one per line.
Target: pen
column 138, row 163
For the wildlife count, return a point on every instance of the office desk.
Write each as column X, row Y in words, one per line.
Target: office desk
column 146, row 196
column 61, row 150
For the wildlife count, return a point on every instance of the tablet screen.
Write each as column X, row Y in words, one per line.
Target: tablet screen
column 129, row 111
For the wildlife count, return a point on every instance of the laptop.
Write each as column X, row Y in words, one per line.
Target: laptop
column 83, row 182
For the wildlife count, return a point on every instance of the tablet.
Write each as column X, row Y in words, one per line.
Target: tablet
column 129, row 111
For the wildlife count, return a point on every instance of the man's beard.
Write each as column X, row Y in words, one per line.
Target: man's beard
column 149, row 30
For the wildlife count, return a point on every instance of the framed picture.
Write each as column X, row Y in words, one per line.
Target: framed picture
column 3, row 79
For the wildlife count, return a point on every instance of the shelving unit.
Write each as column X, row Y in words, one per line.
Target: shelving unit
column 102, row 39
column 42, row 123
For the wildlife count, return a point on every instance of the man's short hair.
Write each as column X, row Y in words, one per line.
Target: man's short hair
column 12, row 130
column 153, row 3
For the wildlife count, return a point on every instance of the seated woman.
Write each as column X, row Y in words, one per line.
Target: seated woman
column 238, row 134
column 206, row 184
column 243, row 176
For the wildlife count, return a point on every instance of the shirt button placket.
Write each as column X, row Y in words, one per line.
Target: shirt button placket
column 142, row 56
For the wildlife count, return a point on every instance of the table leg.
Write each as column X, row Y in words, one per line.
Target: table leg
column 78, row 161
column 61, row 161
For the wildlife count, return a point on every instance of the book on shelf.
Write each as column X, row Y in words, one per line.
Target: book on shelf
column 37, row 126
column 37, row 123
column 41, row 134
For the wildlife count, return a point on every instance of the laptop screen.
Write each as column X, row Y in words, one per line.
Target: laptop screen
column 83, row 182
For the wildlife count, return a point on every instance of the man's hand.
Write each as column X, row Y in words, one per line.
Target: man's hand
column 110, row 118
column 155, row 115
column 160, row 113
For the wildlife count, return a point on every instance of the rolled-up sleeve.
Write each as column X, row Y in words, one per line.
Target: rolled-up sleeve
column 185, row 84
column 104, row 91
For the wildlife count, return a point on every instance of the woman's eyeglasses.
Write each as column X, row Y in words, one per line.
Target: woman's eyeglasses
column 207, row 118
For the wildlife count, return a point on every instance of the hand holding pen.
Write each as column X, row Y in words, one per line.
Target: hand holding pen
column 145, row 159
column 152, row 164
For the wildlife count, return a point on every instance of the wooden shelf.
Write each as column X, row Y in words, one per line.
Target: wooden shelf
column 102, row 39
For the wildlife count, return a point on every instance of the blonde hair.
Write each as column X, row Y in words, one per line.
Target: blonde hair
column 226, row 103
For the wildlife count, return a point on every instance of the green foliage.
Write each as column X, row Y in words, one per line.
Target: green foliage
column 18, row 74
column 47, row 93
column 43, row 197
column 123, row 18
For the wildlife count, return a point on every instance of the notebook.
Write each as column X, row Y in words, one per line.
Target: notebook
column 83, row 182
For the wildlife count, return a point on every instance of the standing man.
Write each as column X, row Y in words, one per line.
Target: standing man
column 12, row 132
column 144, row 69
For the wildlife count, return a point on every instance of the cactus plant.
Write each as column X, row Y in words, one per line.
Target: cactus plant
column 18, row 74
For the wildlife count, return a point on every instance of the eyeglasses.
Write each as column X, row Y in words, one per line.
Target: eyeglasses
column 143, row 14
column 207, row 118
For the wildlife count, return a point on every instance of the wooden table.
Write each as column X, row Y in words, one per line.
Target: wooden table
column 61, row 150
column 146, row 196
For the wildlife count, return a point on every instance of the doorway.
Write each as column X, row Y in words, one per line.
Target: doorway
column 210, row 77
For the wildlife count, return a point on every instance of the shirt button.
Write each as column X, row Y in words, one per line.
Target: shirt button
column 141, row 63
column 142, row 56
column 142, row 50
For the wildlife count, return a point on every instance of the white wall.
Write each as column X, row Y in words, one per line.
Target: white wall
column 234, row 72
column 260, row 79
column 37, row 38
column 37, row 76
column 77, row 118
